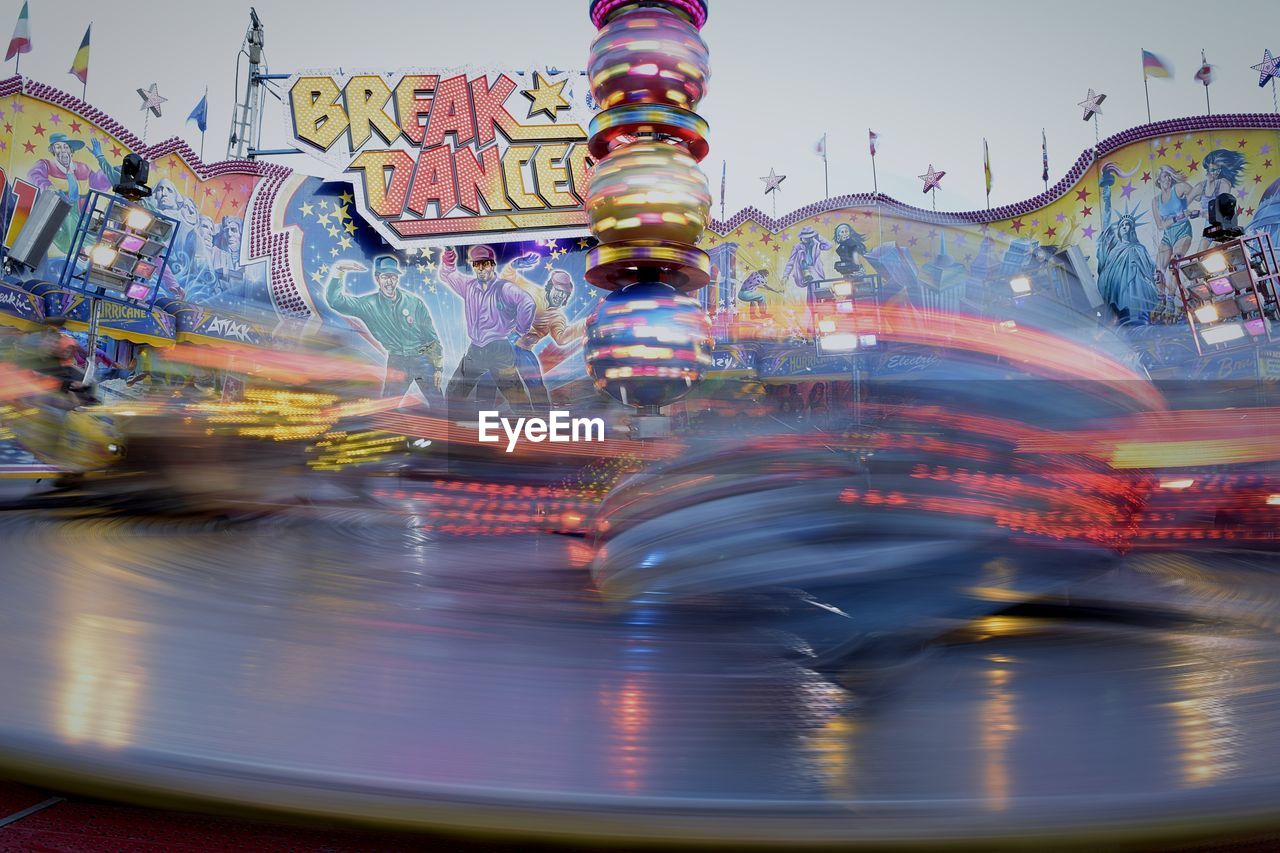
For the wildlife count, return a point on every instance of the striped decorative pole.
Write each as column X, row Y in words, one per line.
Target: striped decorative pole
column 648, row 203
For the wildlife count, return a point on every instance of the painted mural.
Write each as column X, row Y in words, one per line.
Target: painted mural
column 264, row 253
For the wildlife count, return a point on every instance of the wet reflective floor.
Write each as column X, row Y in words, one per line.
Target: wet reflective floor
column 340, row 662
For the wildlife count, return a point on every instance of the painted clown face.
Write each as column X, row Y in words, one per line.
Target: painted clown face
column 61, row 152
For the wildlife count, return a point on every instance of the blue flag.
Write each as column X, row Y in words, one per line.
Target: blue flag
column 200, row 115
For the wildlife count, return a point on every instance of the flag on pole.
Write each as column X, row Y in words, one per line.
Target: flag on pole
column 873, row 137
column 821, row 147
column 986, row 166
column 21, row 41
column 80, row 65
column 200, row 115
column 1205, row 74
column 1044, row 156
column 1154, row 66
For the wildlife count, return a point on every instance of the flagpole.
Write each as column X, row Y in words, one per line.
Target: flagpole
column 826, row 183
column 1145, row 92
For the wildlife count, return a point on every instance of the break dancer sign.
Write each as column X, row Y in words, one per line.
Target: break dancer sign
column 451, row 157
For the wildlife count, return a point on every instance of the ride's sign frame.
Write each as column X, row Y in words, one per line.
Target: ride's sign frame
column 454, row 156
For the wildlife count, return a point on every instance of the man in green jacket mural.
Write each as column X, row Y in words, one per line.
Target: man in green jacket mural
column 399, row 321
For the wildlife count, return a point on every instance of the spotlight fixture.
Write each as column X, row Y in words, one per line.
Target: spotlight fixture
column 134, row 172
column 1206, row 314
column 138, row 219
column 1222, row 219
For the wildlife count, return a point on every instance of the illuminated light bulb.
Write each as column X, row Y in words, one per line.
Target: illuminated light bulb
column 138, row 219
column 1020, row 285
column 826, row 326
column 102, row 255
column 1177, row 485
column 1223, row 333
column 1215, row 263
column 1273, row 500
column 842, row 288
column 1207, row 314
column 840, row 342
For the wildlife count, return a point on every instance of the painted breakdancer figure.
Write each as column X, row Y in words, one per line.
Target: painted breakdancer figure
column 494, row 308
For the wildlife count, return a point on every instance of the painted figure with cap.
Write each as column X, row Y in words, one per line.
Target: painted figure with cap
column 399, row 321
column 804, row 265
column 494, row 309
column 69, row 178
column 549, row 321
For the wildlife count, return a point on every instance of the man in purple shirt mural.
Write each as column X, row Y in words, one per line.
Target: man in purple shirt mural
column 494, row 308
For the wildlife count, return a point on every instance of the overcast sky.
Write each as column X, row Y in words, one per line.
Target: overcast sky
column 932, row 77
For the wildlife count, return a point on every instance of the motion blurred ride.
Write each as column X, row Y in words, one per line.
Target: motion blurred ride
column 177, row 443
column 938, row 508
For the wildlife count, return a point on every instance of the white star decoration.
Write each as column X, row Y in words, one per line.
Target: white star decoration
column 773, row 182
column 932, row 180
column 151, row 99
column 1093, row 104
column 1268, row 68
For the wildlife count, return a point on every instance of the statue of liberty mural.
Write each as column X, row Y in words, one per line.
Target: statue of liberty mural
column 1126, row 273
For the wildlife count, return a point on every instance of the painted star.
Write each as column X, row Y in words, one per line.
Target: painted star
column 932, row 179
column 1092, row 105
column 151, row 99
column 1177, row 146
column 333, row 253
column 1082, row 195
column 334, row 232
column 1018, row 225
column 773, row 182
column 1268, row 68
column 306, row 208
column 350, row 227
column 116, row 150
column 1162, row 150
column 344, row 243
column 584, row 243
column 1051, row 232
column 28, row 147
column 1127, row 190
column 1061, row 217
column 1146, row 176
column 39, row 129
column 1086, row 211
column 315, row 276
column 546, row 98
column 323, row 219
column 1191, row 165
column 1089, row 231
column 346, row 198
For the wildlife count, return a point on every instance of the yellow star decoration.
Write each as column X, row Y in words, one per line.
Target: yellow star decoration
column 334, row 232
column 343, row 213
column 333, row 253
column 324, row 220
column 431, row 287
column 324, row 269
column 350, row 227
column 548, row 266
column 315, row 276
column 346, row 198
column 345, row 242
column 306, row 208
column 584, row 243
column 546, row 99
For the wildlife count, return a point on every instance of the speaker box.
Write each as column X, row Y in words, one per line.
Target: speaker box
column 36, row 236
